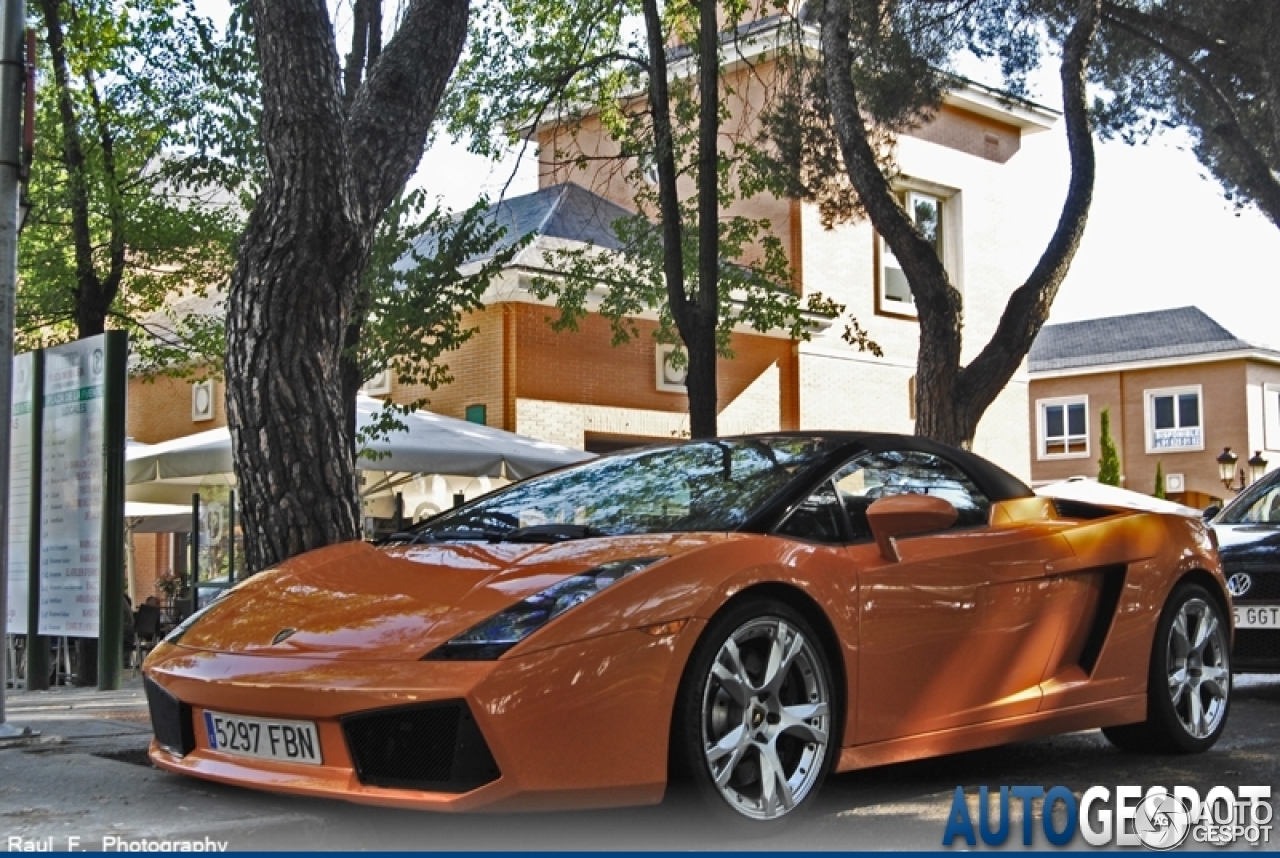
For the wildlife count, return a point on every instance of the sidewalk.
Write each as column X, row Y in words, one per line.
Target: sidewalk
column 85, row 781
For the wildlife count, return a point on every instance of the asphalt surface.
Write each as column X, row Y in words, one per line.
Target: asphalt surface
column 86, row 777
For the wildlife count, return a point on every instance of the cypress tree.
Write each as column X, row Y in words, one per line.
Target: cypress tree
column 1108, row 458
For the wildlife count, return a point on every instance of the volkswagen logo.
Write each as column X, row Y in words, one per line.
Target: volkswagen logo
column 282, row 635
column 1239, row 584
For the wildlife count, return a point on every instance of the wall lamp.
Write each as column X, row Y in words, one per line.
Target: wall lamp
column 1235, row 479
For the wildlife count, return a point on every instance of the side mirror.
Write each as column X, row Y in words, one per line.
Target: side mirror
column 907, row 515
column 1211, row 511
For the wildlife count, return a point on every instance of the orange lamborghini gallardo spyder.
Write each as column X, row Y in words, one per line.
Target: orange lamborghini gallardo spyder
column 743, row 614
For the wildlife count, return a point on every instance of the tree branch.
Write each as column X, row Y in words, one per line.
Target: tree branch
column 392, row 112
column 1028, row 307
column 1263, row 184
column 72, row 148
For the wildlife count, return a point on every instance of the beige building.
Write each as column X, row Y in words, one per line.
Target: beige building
column 1179, row 388
column 985, row 177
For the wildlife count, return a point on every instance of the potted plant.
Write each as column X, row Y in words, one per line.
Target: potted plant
column 168, row 585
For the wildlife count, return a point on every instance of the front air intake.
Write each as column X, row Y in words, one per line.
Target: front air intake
column 435, row 747
column 171, row 720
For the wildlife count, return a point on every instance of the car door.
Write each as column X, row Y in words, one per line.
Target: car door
column 959, row 630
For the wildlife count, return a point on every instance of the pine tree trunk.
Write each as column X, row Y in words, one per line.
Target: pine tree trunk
column 951, row 399
column 285, row 405
column 335, row 162
column 700, row 382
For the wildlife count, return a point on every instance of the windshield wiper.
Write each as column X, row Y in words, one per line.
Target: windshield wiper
column 548, row 533
column 452, row 534
column 551, row 533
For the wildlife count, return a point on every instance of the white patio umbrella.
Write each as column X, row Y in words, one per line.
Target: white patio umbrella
column 431, row 444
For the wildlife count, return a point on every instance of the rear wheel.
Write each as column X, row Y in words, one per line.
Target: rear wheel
column 1189, row 686
column 753, row 731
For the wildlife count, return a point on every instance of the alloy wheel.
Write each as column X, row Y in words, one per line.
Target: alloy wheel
column 1199, row 668
column 766, row 717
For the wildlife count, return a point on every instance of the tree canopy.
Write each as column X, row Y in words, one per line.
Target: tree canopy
column 143, row 121
column 653, row 83
column 1209, row 67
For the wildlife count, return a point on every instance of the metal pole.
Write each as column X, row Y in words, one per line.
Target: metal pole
column 111, row 573
column 12, row 72
column 37, row 644
column 193, row 572
column 231, row 538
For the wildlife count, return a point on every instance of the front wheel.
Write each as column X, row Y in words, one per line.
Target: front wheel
column 1189, row 688
column 754, row 721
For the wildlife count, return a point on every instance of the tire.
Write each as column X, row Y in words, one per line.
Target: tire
column 755, row 728
column 1189, row 684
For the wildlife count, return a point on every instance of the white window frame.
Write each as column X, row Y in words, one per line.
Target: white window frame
column 1149, row 421
column 1042, row 439
column 1271, row 416
column 203, row 406
column 379, row 384
column 948, row 253
column 667, row 378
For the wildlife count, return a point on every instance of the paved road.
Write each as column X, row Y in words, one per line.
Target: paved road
column 86, row 777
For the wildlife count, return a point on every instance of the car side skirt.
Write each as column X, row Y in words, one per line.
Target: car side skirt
column 1124, row 710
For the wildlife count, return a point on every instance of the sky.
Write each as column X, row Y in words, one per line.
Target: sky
column 1160, row 234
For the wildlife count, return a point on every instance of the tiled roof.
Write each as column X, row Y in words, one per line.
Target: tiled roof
column 1157, row 335
column 565, row 211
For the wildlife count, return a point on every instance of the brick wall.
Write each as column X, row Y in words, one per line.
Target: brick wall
column 585, row 367
column 967, row 132
column 747, row 92
column 160, row 409
column 478, row 370
column 151, row 558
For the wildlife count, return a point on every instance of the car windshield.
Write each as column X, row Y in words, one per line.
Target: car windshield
column 696, row 486
column 1258, row 504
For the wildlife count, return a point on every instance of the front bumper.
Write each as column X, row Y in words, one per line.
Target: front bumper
column 1256, row 651
column 583, row 725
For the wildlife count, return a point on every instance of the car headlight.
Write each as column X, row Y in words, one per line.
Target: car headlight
column 493, row 637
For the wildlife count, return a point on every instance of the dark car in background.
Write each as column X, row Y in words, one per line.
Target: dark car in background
column 1248, row 532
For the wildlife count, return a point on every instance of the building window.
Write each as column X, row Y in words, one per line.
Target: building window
column 1271, row 416
column 477, row 414
column 670, row 378
column 1064, row 427
column 378, row 384
column 202, row 400
column 1174, row 419
column 928, row 212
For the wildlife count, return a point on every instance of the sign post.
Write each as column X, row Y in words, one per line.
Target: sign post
column 82, row 500
column 12, row 72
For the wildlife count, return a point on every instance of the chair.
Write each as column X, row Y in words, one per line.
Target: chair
column 146, row 631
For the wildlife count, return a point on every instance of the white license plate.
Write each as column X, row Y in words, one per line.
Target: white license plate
column 267, row 739
column 1257, row 616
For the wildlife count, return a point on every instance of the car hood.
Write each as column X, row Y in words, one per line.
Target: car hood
column 357, row 601
column 1251, row 541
